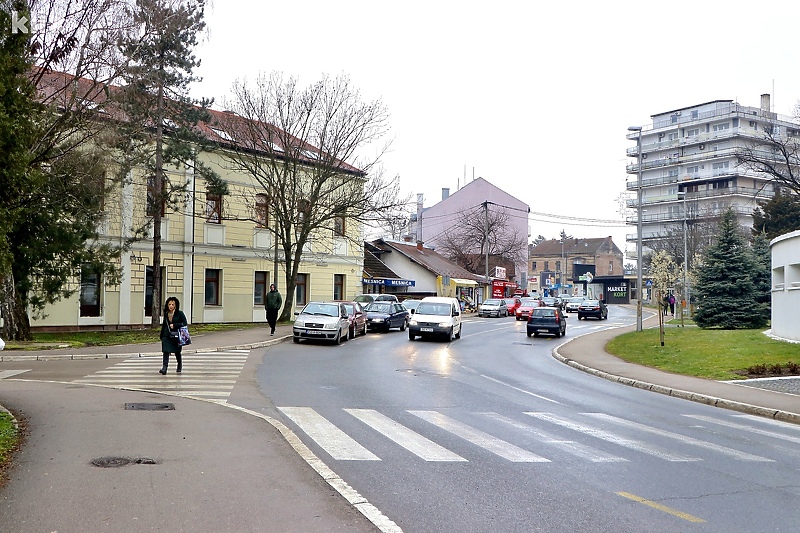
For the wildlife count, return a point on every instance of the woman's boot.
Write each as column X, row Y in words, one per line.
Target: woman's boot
column 180, row 363
column 166, row 363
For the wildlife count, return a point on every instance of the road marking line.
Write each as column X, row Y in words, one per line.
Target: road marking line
column 745, row 428
column 770, row 421
column 497, row 446
column 8, row 373
column 648, row 449
column 329, row 437
column 518, row 389
column 660, row 507
column 683, row 438
column 570, row 446
column 408, row 439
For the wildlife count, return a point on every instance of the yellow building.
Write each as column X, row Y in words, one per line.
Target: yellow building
column 214, row 258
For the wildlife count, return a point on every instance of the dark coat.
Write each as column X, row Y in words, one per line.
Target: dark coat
column 274, row 300
column 170, row 344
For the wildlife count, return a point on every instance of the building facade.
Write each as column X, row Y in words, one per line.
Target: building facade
column 217, row 257
column 557, row 267
column 687, row 162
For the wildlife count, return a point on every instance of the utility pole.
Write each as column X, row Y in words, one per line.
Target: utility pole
column 486, row 240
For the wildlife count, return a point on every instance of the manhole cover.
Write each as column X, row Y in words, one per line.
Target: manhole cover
column 149, row 406
column 116, row 462
column 111, row 462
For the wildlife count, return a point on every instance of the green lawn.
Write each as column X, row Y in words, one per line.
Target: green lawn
column 713, row 354
column 9, row 440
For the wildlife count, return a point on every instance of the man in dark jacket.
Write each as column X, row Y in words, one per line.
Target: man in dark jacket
column 273, row 306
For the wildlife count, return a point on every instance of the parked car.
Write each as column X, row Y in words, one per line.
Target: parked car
column 493, row 307
column 549, row 320
column 512, row 304
column 573, row 304
column 364, row 298
column 593, row 308
column 386, row 298
column 411, row 304
column 356, row 318
column 321, row 320
column 525, row 307
column 436, row 316
column 383, row 316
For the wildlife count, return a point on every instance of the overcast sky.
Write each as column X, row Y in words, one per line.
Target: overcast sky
column 535, row 97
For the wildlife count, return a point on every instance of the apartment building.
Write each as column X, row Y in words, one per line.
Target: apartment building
column 686, row 160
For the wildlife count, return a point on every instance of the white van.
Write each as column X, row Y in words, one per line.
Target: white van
column 436, row 316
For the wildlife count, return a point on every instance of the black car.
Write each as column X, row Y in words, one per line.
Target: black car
column 382, row 316
column 593, row 308
column 547, row 320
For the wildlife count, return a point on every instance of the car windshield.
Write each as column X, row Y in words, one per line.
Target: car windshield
column 351, row 309
column 591, row 302
column 411, row 304
column 491, row 302
column 528, row 302
column 509, row 301
column 427, row 308
column 548, row 300
column 543, row 312
column 379, row 308
column 321, row 309
column 386, row 298
column 576, row 300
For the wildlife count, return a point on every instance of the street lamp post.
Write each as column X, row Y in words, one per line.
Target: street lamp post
column 685, row 255
column 639, row 288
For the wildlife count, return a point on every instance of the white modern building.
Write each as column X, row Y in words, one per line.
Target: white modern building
column 687, row 167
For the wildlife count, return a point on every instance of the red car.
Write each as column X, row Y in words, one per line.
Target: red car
column 512, row 304
column 525, row 307
column 356, row 317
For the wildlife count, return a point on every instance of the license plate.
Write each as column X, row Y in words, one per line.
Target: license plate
column 426, row 330
column 314, row 332
column 542, row 330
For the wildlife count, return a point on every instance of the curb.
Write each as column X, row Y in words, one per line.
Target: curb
column 783, row 416
column 66, row 357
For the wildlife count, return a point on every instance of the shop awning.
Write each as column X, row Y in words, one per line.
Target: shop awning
column 460, row 281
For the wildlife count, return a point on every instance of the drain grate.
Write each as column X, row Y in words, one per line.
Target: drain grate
column 149, row 406
column 116, row 462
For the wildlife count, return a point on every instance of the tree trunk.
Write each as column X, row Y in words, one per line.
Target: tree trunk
column 16, row 324
column 158, row 185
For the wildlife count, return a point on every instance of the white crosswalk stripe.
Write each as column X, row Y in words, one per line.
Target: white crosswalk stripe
column 209, row 375
column 341, row 446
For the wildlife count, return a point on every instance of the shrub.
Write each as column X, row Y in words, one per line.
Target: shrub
column 757, row 369
column 777, row 368
column 793, row 368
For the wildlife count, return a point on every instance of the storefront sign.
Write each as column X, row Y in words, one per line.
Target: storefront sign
column 389, row 282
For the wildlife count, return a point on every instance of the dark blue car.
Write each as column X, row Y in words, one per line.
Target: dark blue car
column 382, row 316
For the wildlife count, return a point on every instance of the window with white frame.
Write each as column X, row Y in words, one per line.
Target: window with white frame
column 721, row 127
column 720, row 167
column 693, row 132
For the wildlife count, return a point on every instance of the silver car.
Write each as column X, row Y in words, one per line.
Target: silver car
column 493, row 307
column 322, row 320
column 573, row 304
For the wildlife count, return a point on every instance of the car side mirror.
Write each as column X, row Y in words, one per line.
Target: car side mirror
column 411, row 311
column 296, row 313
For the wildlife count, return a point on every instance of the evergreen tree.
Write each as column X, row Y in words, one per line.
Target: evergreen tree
column 725, row 291
column 161, row 120
column 762, row 275
column 779, row 215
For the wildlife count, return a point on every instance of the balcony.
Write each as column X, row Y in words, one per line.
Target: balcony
column 707, row 213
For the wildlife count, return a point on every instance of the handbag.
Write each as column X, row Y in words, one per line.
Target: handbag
column 183, row 336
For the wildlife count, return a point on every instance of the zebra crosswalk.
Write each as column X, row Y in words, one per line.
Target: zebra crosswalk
column 205, row 375
column 533, row 430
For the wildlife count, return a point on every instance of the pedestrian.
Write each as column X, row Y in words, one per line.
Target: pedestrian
column 273, row 305
column 672, row 304
column 665, row 304
column 172, row 321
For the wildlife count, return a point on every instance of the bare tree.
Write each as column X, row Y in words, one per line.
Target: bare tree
column 777, row 155
column 304, row 148
column 466, row 242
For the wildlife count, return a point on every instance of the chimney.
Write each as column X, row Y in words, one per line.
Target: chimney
column 445, row 193
column 765, row 102
column 419, row 245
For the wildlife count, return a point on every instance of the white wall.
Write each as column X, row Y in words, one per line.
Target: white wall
column 786, row 286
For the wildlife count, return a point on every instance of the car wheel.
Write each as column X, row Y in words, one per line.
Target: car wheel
column 296, row 340
column 535, row 334
column 558, row 333
column 450, row 335
column 339, row 336
column 365, row 329
column 529, row 334
column 411, row 336
column 458, row 335
column 351, row 332
column 403, row 326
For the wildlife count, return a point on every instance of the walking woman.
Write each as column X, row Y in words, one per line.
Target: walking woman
column 172, row 321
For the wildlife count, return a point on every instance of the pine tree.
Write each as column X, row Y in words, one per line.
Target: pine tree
column 762, row 275
column 725, row 291
column 779, row 215
column 161, row 120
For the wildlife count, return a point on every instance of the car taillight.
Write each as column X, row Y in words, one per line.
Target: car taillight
column 556, row 319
